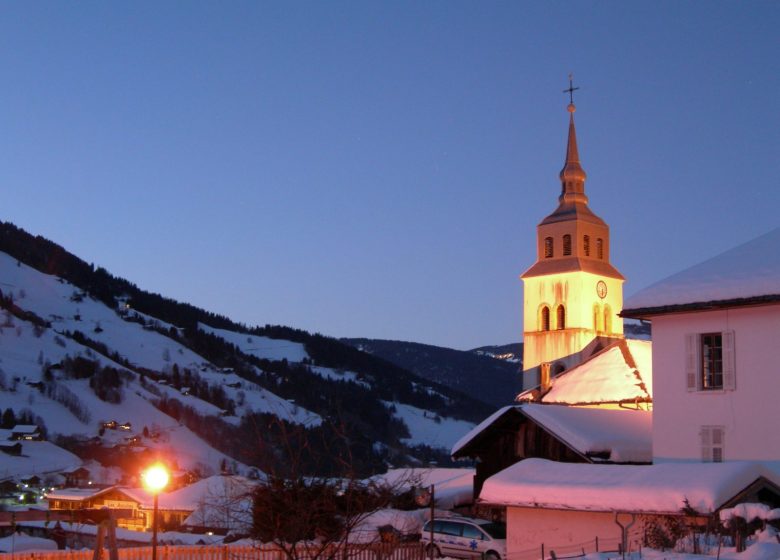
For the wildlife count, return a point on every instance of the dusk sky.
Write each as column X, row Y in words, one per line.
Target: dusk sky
column 378, row 169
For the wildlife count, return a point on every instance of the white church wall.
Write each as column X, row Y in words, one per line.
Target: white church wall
column 746, row 416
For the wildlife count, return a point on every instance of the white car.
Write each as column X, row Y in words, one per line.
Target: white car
column 463, row 537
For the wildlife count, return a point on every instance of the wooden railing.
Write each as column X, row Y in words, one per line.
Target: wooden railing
column 384, row 551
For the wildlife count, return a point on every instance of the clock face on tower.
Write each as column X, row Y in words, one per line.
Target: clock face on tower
column 601, row 289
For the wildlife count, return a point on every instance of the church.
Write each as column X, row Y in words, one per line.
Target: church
column 575, row 355
column 579, row 458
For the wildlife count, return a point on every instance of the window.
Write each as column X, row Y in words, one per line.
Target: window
column 548, row 247
column 607, row 319
column 567, row 244
column 600, row 248
column 471, row 532
column 561, row 317
column 597, row 318
column 712, row 443
column 545, row 319
column 586, row 245
column 709, row 361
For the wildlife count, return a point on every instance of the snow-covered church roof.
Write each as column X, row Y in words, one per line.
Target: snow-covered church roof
column 598, row 434
column 659, row 488
column 749, row 273
column 621, row 372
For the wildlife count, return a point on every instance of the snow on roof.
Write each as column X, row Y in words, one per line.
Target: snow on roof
column 479, row 428
column 75, row 493
column 606, row 376
column 622, row 435
column 452, row 487
column 658, row 488
column 214, row 491
column 25, row 429
column 747, row 271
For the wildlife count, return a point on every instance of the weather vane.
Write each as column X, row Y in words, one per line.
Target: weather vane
column 571, row 90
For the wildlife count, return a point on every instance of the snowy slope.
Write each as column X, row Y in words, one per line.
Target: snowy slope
column 26, row 350
column 260, row 346
column 430, row 429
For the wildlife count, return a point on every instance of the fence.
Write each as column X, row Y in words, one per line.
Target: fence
column 573, row 550
column 381, row 551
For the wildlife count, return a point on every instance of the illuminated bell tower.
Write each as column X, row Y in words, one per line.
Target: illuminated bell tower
column 572, row 293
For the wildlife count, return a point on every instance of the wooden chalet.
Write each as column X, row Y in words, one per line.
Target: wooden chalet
column 557, row 433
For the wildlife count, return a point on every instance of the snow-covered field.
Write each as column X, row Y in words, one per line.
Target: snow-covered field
column 428, row 428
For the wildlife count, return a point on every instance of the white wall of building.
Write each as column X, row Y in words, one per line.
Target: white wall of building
column 747, row 414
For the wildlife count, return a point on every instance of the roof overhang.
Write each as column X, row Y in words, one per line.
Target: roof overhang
column 648, row 312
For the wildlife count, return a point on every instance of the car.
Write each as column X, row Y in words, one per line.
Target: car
column 464, row 537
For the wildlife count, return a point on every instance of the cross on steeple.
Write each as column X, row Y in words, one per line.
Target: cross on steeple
column 571, row 90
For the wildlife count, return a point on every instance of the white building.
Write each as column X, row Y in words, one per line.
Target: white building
column 716, row 377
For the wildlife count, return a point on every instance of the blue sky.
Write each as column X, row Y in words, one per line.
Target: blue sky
column 378, row 168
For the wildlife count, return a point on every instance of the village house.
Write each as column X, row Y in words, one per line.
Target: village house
column 716, row 378
column 218, row 504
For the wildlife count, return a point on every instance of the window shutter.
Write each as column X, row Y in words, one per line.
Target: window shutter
column 718, row 451
column 706, row 444
column 729, row 364
column 690, row 361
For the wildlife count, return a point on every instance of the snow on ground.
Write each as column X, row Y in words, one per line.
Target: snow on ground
column 68, row 309
column 22, row 542
column 750, row 270
column 163, row 538
column 659, row 488
column 250, row 397
column 624, row 435
column 25, row 350
column 260, row 346
column 339, row 375
column 22, row 350
column 428, row 428
column 38, row 457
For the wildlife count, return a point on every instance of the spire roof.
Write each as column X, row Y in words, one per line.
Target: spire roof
column 572, row 175
column 572, row 170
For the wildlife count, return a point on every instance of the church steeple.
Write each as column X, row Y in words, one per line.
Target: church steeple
column 572, row 293
column 572, row 175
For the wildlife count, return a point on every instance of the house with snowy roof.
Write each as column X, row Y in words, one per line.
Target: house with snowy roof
column 220, row 503
column 716, row 377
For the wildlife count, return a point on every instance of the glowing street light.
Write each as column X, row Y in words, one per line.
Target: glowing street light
column 155, row 479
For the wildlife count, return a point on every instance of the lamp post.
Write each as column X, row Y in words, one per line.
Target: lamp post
column 423, row 498
column 155, row 479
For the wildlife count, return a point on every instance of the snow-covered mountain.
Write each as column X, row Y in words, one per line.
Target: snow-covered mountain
column 82, row 352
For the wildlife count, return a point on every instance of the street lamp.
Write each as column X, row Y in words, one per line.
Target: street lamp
column 155, row 479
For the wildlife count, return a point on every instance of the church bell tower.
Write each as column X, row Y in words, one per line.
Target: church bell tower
column 571, row 294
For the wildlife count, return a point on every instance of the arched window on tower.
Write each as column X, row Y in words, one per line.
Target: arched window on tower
column 600, row 248
column 548, row 247
column 597, row 318
column 567, row 244
column 586, row 245
column 607, row 319
column 560, row 317
column 544, row 319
